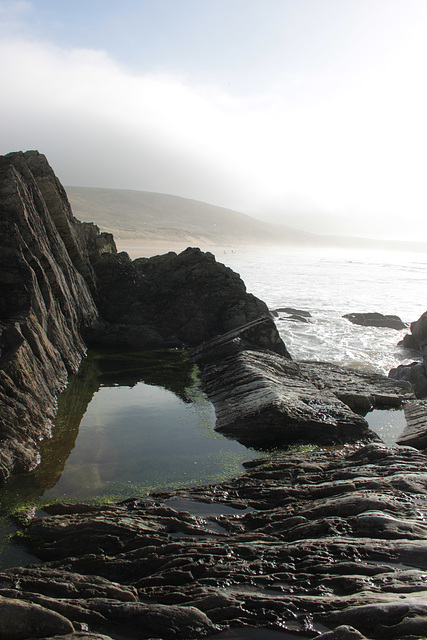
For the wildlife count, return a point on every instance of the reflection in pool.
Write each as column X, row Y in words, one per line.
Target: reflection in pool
column 143, row 438
column 389, row 425
column 128, row 424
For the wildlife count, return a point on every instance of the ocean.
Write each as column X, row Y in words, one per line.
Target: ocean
column 329, row 285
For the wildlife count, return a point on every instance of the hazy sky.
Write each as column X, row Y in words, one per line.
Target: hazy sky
column 308, row 112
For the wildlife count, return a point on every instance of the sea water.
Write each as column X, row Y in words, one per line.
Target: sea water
column 330, row 284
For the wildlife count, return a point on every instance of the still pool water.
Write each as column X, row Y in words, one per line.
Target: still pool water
column 128, row 425
column 144, row 438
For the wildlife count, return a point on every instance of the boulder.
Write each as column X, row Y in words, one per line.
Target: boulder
column 376, row 320
column 175, row 300
column 20, row 620
column 413, row 373
column 419, row 331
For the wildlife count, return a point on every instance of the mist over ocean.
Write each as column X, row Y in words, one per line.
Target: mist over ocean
column 330, row 284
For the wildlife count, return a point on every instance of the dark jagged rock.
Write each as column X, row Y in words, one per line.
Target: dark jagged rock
column 419, row 331
column 63, row 286
column 408, row 342
column 376, row 320
column 45, row 307
column 416, row 372
column 171, row 300
column 331, row 540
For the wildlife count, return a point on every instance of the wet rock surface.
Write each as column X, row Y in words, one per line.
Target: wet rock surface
column 416, row 372
column 305, row 542
column 294, row 315
column 360, row 390
column 415, row 433
column 376, row 320
column 264, row 399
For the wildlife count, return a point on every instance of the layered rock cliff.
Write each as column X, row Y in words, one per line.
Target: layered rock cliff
column 45, row 303
column 63, row 286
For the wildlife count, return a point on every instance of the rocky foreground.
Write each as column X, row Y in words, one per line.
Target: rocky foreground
column 322, row 543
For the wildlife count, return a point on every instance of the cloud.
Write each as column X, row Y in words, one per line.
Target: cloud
column 356, row 149
column 82, row 109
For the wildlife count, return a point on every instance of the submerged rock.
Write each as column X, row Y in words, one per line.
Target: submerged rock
column 292, row 311
column 376, row 320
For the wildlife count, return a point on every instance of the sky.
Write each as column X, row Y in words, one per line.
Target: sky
column 309, row 113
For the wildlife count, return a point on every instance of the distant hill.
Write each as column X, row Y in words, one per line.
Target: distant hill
column 157, row 216
column 146, row 219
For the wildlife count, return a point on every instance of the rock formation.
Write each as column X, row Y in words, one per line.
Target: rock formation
column 329, row 542
column 376, row 320
column 45, row 305
column 415, row 433
column 416, row 372
column 264, row 399
column 64, row 286
column 170, row 300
